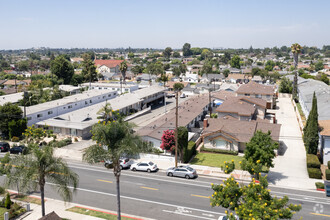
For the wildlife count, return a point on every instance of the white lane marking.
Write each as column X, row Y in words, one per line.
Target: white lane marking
column 209, row 215
column 190, row 215
column 150, row 178
column 305, row 197
column 305, row 200
column 142, row 200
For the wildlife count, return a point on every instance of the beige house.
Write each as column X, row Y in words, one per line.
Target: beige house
column 256, row 90
column 231, row 134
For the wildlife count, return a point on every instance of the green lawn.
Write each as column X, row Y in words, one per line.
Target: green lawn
column 215, row 160
column 95, row 213
column 2, row 212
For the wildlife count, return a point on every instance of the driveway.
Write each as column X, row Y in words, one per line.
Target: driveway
column 290, row 166
column 73, row 151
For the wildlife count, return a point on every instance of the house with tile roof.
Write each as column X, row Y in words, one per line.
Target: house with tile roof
column 256, row 90
column 231, row 134
column 108, row 66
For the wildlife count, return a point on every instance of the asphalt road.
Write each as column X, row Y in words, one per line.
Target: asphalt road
column 156, row 196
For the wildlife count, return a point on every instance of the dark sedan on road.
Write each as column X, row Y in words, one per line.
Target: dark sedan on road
column 4, row 147
column 182, row 171
column 18, row 150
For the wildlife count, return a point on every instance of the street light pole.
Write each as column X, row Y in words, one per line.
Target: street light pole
column 176, row 129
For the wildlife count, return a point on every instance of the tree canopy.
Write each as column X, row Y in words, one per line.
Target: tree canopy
column 10, row 113
column 235, row 62
column 62, row 68
column 311, row 137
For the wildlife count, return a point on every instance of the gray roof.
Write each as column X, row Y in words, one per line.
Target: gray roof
column 306, row 89
column 213, row 76
column 12, row 98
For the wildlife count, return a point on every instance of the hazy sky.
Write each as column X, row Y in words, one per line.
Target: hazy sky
column 162, row 23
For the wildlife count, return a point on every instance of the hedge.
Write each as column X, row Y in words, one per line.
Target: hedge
column 62, row 143
column 314, row 173
column 189, row 152
column 319, row 185
column 221, row 151
column 327, row 174
column 329, row 164
column 313, row 161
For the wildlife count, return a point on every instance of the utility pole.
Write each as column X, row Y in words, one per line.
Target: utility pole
column 176, row 129
column 210, row 105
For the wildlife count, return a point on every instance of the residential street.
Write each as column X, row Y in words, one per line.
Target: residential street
column 156, row 196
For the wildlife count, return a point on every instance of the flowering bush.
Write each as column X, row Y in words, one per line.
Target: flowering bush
column 228, row 167
column 168, row 140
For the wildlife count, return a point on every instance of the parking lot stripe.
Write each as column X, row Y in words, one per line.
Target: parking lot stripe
column 106, row 181
column 206, row 197
column 148, row 188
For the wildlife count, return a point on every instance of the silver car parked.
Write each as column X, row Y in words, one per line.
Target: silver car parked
column 182, row 171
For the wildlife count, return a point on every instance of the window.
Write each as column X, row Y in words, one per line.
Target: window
column 268, row 96
column 29, row 118
column 258, row 96
column 103, row 97
column 64, row 107
column 57, row 130
column 39, row 115
column 109, row 95
column 90, row 101
column 50, row 112
column 86, row 102
column 246, row 94
column 70, row 106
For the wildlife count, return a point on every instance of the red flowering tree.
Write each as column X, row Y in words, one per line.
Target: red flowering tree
column 168, row 140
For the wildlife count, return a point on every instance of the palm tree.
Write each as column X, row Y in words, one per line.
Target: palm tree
column 32, row 170
column 119, row 140
column 296, row 50
column 123, row 68
column 106, row 112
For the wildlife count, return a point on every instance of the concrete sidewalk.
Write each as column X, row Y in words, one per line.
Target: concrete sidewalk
column 60, row 207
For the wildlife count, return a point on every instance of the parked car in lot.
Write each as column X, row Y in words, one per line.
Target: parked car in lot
column 4, row 147
column 21, row 149
column 125, row 163
column 182, row 171
column 144, row 166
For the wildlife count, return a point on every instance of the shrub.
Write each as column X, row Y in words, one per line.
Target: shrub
column 7, row 201
column 314, row 173
column 329, row 164
column 189, row 152
column 76, row 139
column 219, row 151
column 61, row 143
column 228, row 167
column 15, row 139
column 327, row 174
column 313, row 161
column 319, row 185
column 2, row 190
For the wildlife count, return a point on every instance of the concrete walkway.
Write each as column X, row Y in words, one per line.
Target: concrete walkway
column 290, row 166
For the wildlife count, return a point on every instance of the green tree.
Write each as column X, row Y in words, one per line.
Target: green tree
column 319, row 66
column 117, row 139
column 186, row 50
column 77, row 79
column 260, row 151
column 9, row 112
column 286, row 85
column 324, row 78
column 178, row 86
column 167, row 53
column 296, row 50
column 226, row 72
column 206, row 54
column 182, row 141
column 311, row 137
column 32, row 170
column 123, row 68
column 207, row 68
column 17, row 127
column 137, row 69
column 62, row 68
column 155, row 69
column 252, row 201
column 269, row 65
column 88, row 69
column 235, row 62
column 176, row 54
column 130, row 55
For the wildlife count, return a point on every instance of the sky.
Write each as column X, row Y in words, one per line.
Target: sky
column 162, row 23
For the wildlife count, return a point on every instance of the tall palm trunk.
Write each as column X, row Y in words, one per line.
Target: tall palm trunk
column 42, row 192
column 117, row 175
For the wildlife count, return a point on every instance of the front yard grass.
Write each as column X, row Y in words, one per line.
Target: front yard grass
column 95, row 213
column 2, row 212
column 302, row 115
column 216, row 160
column 25, row 198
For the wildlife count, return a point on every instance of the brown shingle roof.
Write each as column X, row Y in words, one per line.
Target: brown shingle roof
column 243, row 131
column 223, row 95
column 188, row 110
column 325, row 125
column 170, row 84
column 238, row 76
column 236, row 105
column 260, row 102
column 255, row 88
column 51, row 216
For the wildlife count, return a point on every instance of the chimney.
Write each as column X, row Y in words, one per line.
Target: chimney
column 205, row 123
